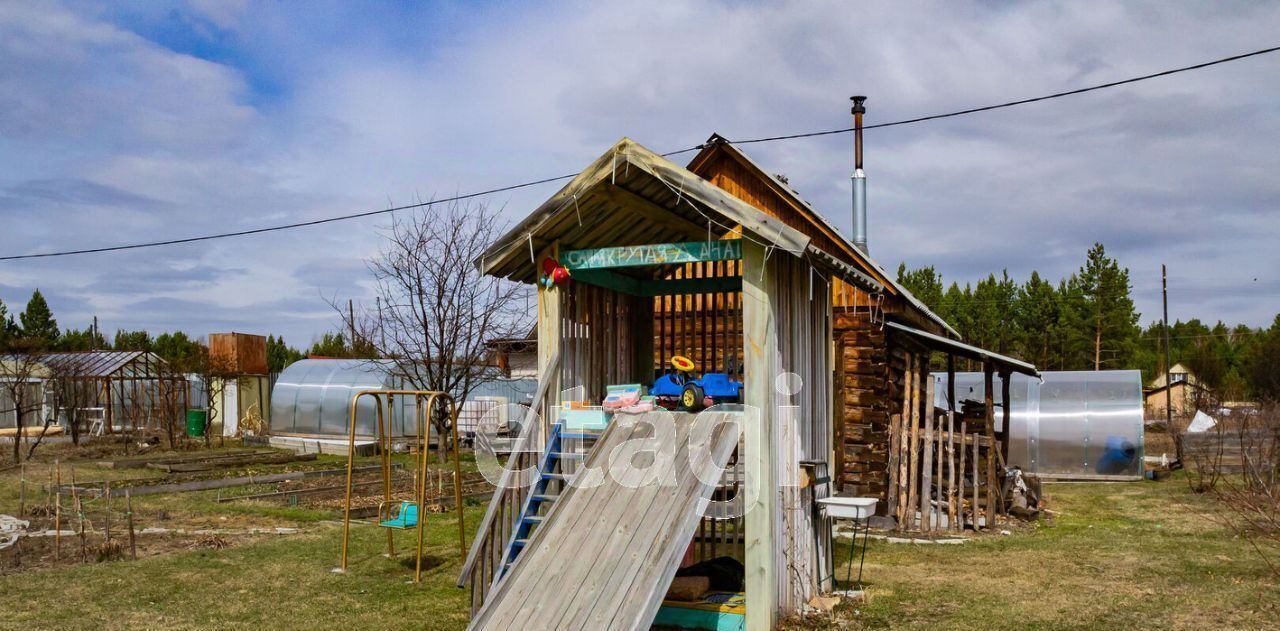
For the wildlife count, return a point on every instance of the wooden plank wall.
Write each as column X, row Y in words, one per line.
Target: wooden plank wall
column 596, row 339
column 706, row 328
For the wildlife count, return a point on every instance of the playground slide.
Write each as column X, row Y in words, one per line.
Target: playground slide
column 605, row 555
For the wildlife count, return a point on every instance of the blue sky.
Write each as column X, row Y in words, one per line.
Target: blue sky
column 154, row 120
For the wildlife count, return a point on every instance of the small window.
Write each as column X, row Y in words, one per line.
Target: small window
column 1178, row 376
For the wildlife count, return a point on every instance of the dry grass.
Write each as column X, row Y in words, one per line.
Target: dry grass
column 1116, row 555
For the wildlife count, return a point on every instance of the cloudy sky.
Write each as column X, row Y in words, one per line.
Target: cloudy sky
column 159, row 120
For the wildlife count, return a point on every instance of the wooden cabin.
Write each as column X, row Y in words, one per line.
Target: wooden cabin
column 727, row 265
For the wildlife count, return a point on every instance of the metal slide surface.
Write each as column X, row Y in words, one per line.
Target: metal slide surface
column 606, row 554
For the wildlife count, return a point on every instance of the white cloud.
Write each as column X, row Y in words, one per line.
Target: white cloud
column 1177, row 169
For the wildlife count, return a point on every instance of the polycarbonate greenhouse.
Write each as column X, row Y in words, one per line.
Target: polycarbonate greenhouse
column 312, row 398
column 1074, row 425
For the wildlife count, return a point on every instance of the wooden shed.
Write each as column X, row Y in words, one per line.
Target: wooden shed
column 726, row 265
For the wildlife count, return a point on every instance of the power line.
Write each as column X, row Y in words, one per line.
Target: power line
column 987, row 108
column 512, row 187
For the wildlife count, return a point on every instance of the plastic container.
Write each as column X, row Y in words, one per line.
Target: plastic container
column 849, row 507
column 196, row 422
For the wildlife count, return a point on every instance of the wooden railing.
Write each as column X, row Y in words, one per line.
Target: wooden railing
column 484, row 560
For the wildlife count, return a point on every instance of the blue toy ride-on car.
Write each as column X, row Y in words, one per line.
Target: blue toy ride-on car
column 678, row 390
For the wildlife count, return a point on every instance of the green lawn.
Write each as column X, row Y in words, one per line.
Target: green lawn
column 1117, row 555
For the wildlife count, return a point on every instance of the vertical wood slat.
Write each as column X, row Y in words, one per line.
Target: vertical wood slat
column 989, row 388
column 951, row 445
column 976, row 508
column 964, row 433
column 913, row 470
column 903, row 436
column 926, row 466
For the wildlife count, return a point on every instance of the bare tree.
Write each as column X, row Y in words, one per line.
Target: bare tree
column 214, row 372
column 435, row 309
column 23, row 379
column 74, row 395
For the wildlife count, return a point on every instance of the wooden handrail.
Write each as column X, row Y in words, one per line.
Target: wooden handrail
column 506, row 485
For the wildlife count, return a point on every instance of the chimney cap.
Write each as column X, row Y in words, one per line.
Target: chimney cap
column 858, row 107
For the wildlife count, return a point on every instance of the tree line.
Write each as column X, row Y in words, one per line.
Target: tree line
column 35, row 330
column 1087, row 321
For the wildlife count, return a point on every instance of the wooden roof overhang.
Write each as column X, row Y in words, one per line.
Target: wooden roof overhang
column 631, row 196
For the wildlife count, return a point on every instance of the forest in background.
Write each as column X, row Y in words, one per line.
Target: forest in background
column 1088, row 321
column 35, row 329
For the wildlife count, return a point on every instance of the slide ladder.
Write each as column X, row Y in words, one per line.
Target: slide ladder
column 565, row 450
column 603, row 556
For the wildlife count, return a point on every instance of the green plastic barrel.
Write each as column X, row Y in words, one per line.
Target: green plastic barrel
column 196, row 421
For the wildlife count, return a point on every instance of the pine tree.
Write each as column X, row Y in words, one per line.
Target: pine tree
column 1264, row 364
column 1111, row 317
column 8, row 328
column 38, row 326
column 177, row 348
column 1037, row 312
column 924, row 283
column 132, row 341
column 280, row 355
column 81, row 340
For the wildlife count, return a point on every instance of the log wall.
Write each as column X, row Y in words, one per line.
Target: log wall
column 865, row 391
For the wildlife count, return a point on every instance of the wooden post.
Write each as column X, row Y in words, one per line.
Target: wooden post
column 1007, row 416
column 760, row 352
column 57, row 511
column 895, row 444
column 908, row 382
column 959, row 495
column 988, row 379
column 938, row 476
column 926, row 466
column 550, row 310
column 913, row 471
column 128, row 511
column 106, row 521
column 975, row 508
column 951, row 445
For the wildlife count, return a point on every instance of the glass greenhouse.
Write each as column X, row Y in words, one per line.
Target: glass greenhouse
column 1076, row 424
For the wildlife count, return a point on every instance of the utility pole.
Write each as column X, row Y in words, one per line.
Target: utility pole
column 351, row 319
column 1168, row 384
column 93, row 335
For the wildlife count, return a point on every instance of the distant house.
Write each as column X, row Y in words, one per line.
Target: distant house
column 1186, row 393
column 1178, row 374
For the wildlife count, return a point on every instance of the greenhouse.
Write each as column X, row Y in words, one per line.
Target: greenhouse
column 312, row 398
column 1073, row 425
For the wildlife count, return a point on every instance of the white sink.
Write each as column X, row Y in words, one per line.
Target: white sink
column 849, row 507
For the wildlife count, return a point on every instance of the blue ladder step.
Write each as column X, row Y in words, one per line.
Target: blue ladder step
column 568, row 455
column 543, row 497
column 556, row 476
column 532, row 519
column 579, row 435
column 519, row 543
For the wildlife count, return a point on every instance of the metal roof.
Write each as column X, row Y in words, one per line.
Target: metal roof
column 104, row 363
column 716, row 140
column 961, row 349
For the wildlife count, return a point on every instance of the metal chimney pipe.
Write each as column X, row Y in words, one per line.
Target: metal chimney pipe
column 859, row 178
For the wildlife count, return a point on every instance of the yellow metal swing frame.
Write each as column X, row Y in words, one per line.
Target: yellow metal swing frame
column 422, row 440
